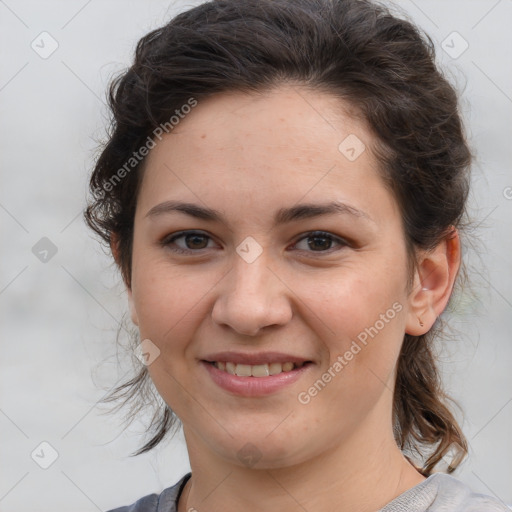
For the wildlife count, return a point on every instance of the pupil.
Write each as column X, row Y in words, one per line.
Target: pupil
column 327, row 242
column 195, row 238
column 324, row 244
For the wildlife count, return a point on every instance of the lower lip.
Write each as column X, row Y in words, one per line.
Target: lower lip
column 254, row 386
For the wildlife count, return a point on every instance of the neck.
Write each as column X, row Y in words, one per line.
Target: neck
column 364, row 473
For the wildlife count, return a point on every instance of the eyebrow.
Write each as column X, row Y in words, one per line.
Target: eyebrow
column 283, row 215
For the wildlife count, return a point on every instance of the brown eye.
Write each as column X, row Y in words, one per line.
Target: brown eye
column 194, row 241
column 319, row 241
column 190, row 241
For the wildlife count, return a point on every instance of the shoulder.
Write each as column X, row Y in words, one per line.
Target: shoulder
column 454, row 493
column 444, row 493
column 165, row 501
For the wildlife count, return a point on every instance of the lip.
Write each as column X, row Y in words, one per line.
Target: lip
column 254, row 386
column 253, row 359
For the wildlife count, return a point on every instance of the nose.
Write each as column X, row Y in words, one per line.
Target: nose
column 251, row 297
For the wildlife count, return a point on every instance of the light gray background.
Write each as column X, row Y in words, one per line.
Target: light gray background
column 59, row 318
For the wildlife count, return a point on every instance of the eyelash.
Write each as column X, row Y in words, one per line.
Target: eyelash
column 167, row 241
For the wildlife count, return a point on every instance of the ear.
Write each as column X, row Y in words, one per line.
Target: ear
column 114, row 247
column 433, row 283
column 131, row 304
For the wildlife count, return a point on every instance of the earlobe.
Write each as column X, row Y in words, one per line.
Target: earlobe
column 114, row 247
column 131, row 304
column 433, row 284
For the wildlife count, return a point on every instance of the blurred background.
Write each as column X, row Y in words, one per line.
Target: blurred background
column 61, row 300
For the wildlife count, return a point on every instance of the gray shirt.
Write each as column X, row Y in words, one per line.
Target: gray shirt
column 438, row 493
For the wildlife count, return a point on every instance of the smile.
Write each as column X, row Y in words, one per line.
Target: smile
column 255, row 380
column 257, row 370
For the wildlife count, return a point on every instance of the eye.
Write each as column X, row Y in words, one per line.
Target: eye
column 192, row 241
column 320, row 241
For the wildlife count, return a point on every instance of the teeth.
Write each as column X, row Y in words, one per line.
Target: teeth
column 275, row 368
column 257, row 370
column 243, row 370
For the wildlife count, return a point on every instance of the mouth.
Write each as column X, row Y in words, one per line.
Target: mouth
column 257, row 370
column 258, row 380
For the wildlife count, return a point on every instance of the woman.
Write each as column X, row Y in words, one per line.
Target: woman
column 283, row 192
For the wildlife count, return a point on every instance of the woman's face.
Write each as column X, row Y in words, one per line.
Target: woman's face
column 256, row 282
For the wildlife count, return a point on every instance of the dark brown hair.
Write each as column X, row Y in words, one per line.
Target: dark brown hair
column 377, row 62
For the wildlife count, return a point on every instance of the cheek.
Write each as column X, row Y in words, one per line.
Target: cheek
column 347, row 301
column 165, row 296
column 170, row 304
column 361, row 312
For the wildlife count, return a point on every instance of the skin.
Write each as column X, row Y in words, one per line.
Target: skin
column 248, row 156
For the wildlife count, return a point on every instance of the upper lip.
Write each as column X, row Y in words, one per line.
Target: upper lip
column 254, row 359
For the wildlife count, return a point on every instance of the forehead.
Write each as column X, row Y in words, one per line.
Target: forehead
column 278, row 145
column 291, row 118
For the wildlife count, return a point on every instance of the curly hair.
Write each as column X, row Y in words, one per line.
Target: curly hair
column 381, row 65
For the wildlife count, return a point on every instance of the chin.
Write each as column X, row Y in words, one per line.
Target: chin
column 260, row 452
